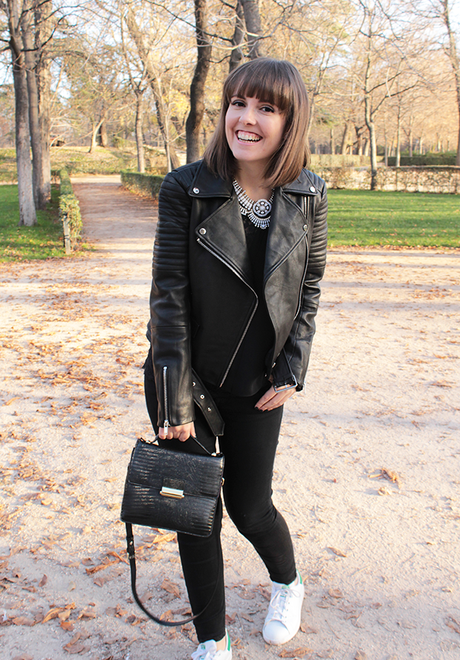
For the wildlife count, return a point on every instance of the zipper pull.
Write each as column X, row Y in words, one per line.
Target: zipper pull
column 166, row 425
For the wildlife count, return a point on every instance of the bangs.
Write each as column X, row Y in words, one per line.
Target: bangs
column 262, row 81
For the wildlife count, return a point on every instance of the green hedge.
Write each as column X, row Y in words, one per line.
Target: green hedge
column 146, row 184
column 425, row 160
column 69, row 207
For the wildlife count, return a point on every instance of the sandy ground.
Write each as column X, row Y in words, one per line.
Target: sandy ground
column 367, row 472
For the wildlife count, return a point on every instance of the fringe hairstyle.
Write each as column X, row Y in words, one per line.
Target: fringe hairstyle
column 273, row 81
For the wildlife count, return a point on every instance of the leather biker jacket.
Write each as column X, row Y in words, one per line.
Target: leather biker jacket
column 202, row 301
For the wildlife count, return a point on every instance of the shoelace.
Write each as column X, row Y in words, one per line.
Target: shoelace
column 281, row 603
column 198, row 655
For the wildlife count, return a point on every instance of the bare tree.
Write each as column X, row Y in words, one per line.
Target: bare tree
column 197, row 88
column 14, row 12
column 453, row 55
column 155, row 83
column 236, row 54
column 253, row 27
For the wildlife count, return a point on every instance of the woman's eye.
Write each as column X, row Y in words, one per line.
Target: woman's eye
column 268, row 108
column 237, row 103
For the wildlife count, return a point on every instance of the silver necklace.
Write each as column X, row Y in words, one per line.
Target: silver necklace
column 259, row 212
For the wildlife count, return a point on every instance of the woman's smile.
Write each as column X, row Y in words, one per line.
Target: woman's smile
column 254, row 129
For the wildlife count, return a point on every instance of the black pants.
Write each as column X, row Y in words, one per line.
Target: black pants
column 249, row 445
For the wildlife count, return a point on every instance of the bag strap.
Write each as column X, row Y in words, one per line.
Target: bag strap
column 132, row 564
column 205, row 402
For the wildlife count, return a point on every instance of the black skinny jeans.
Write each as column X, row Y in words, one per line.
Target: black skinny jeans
column 249, row 446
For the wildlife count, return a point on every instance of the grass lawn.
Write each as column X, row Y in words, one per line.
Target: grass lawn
column 393, row 219
column 42, row 241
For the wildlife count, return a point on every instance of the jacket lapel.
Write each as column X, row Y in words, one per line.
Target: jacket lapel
column 288, row 226
column 223, row 234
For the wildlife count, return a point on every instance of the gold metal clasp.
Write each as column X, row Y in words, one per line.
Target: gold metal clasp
column 172, row 492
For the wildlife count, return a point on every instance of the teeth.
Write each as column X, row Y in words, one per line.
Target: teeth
column 248, row 137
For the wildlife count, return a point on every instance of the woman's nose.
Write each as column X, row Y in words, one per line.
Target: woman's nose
column 248, row 115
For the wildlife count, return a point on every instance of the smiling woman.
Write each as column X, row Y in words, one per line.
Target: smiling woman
column 239, row 253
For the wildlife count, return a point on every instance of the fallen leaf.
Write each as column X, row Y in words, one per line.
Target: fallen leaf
column 23, row 621
column 335, row 593
column 87, row 613
column 53, row 614
column 360, row 655
column 10, row 401
column 67, row 625
column 295, row 653
column 43, row 581
column 453, row 624
column 339, row 553
column 100, row 567
column 383, row 490
column 171, row 587
column 79, row 647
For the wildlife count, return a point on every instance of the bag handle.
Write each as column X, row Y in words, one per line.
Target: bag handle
column 132, row 564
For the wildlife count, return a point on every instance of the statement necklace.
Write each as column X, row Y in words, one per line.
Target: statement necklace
column 257, row 212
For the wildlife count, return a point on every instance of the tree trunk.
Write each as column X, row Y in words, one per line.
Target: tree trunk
column 198, row 85
column 411, row 136
column 311, row 116
column 171, row 157
column 27, row 215
column 139, row 132
column 369, row 119
column 102, row 134
column 331, row 140
column 155, row 84
column 253, row 27
column 238, row 35
column 455, row 63
column 398, row 137
column 34, row 124
column 43, row 32
column 344, row 143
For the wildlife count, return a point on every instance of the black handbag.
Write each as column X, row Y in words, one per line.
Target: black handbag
column 173, row 490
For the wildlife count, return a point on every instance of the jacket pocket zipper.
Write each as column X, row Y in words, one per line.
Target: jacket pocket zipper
column 165, row 398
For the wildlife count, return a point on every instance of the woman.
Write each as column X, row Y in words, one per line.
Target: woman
column 239, row 252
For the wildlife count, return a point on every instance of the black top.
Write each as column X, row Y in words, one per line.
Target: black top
column 247, row 373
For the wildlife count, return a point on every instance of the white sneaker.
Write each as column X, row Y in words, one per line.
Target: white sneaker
column 208, row 651
column 283, row 618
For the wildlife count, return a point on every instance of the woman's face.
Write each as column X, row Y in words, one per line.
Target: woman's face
column 254, row 129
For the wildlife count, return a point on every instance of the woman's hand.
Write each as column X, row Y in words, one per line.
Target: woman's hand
column 182, row 432
column 272, row 399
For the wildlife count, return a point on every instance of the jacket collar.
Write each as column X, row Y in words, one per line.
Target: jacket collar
column 206, row 184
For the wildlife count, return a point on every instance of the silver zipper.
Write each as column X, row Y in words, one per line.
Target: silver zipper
column 165, row 397
column 226, row 263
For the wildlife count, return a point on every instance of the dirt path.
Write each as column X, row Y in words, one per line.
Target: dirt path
column 367, row 471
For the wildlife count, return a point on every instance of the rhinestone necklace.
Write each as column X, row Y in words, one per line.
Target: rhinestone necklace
column 259, row 212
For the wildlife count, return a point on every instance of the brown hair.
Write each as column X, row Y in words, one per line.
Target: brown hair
column 273, row 81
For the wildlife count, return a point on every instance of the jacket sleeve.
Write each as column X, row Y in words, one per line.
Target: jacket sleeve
column 170, row 305
column 294, row 358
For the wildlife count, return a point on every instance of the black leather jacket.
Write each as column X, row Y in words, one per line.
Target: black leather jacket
column 202, row 301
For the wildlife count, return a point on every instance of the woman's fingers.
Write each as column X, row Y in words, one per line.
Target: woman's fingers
column 182, row 432
column 272, row 399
